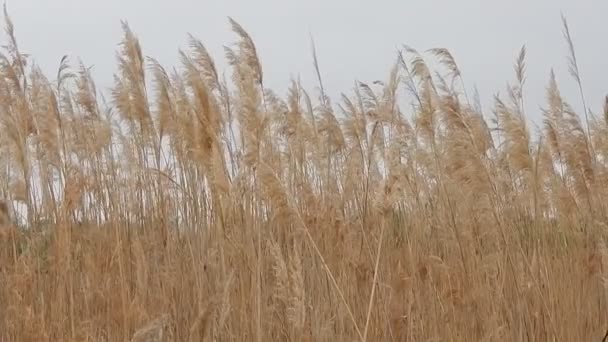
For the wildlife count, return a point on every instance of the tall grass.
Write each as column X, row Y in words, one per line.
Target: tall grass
column 190, row 206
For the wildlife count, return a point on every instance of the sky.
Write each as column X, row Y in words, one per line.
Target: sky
column 355, row 40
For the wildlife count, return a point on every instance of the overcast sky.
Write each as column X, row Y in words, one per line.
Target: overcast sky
column 355, row 39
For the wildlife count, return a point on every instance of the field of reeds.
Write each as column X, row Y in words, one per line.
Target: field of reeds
column 186, row 205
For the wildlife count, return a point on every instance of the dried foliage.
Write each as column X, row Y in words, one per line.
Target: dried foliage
column 211, row 208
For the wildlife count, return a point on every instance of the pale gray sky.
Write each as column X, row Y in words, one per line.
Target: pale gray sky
column 355, row 39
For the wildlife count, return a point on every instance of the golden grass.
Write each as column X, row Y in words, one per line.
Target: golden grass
column 212, row 208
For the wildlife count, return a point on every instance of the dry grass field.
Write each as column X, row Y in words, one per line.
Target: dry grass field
column 186, row 205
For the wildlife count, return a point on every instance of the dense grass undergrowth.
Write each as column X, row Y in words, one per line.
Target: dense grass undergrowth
column 189, row 206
